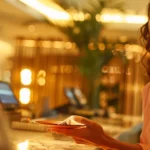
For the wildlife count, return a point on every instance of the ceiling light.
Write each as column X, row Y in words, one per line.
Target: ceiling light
column 50, row 10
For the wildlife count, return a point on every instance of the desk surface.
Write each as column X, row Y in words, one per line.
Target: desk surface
column 26, row 140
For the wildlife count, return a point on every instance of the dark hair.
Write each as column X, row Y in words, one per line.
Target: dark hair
column 145, row 40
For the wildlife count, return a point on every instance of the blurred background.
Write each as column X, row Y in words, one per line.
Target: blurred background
column 73, row 56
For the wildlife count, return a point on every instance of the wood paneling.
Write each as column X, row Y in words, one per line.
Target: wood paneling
column 61, row 71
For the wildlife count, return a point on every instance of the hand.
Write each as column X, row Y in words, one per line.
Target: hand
column 91, row 134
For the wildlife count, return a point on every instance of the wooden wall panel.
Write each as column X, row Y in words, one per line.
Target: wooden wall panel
column 61, row 71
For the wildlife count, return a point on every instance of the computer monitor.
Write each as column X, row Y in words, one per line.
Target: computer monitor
column 70, row 95
column 76, row 97
column 7, row 97
column 80, row 96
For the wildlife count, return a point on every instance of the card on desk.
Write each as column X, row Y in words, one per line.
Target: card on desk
column 57, row 124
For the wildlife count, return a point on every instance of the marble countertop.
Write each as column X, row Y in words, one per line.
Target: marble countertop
column 27, row 140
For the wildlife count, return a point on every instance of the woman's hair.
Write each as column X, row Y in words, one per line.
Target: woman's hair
column 145, row 40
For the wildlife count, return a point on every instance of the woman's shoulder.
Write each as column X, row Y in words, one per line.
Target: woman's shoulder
column 145, row 90
column 147, row 86
column 145, row 94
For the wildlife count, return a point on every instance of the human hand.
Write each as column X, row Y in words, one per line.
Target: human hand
column 91, row 134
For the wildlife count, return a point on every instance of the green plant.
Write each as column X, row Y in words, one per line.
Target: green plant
column 86, row 34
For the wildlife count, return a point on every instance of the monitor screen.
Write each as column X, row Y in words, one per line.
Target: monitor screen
column 7, row 97
column 80, row 96
column 69, row 94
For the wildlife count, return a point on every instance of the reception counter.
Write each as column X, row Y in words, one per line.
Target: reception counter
column 35, row 140
column 27, row 140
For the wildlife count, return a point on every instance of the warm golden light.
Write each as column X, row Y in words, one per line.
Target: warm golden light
column 68, row 45
column 41, row 81
column 56, row 13
column 6, row 49
column 29, row 43
column 135, row 19
column 24, row 95
column 58, row 44
column 101, row 46
column 122, row 18
column 131, row 49
column 42, row 73
column 41, row 78
column 111, row 18
column 23, row 145
column 81, row 16
column 26, row 76
column 136, row 88
column 50, row 9
column 47, row 44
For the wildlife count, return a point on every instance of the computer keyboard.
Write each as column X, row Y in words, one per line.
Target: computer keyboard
column 28, row 126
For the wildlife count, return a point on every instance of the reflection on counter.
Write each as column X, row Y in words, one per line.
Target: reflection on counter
column 23, row 146
column 25, row 140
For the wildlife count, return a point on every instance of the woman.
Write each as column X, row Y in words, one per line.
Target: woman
column 93, row 132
